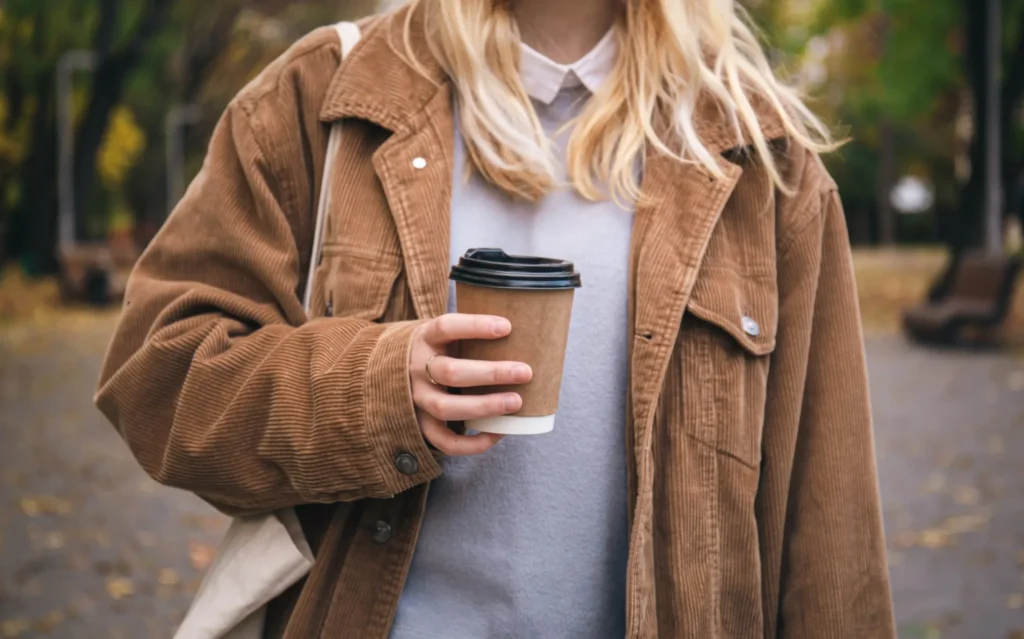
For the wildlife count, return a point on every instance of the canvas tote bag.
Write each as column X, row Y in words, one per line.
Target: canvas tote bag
column 260, row 557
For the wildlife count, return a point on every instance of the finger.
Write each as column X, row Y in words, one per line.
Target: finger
column 456, row 326
column 453, row 445
column 464, row 373
column 457, row 408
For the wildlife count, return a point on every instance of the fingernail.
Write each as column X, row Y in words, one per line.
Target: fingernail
column 511, row 403
column 520, row 371
column 502, row 327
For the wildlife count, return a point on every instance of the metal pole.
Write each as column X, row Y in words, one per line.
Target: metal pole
column 179, row 117
column 993, row 155
column 66, row 67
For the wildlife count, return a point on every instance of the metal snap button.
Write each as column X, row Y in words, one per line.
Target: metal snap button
column 407, row 464
column 419, row 163
column 382, row 532
column 750, row 326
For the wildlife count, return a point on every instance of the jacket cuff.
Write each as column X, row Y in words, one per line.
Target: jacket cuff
column 403, row 456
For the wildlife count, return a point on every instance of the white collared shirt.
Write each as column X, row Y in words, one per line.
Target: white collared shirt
column 543, row 78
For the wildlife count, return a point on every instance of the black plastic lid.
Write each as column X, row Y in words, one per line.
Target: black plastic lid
column 496, row 269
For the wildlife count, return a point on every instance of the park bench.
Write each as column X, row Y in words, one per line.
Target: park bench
column 974, row 304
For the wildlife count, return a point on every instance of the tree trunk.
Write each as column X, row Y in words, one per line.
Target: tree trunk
column 968, row 228
column 32, row 235
column 886, row 182
column 105, row 93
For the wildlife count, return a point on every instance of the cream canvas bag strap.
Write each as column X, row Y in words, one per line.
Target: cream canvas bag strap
column 260, row 557
column 349, row 34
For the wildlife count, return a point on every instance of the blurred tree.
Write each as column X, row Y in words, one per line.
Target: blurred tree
column 151, row 55
column 906, row 76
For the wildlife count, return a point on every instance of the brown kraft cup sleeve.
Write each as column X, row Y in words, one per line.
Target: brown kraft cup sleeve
column 540, row 332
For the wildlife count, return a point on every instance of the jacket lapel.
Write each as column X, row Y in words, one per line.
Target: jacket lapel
column 415, row 169
column 376, row 83
column 669, row 242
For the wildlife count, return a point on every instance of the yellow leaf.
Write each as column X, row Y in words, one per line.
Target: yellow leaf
column 14, row 627
column 123, row 144
column 201, row 555
column 30, row 507
column 120, row 587
column 45, row 504
column 934, row 538
column 168, row 577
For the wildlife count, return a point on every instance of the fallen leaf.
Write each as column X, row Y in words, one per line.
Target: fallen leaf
column 1015, row 601
column 45, row 504
column 966, row 495
column 934, row 538
column 120, row 587
column 99, row 537
column 168, row 577
column 14, row 627
column 945, row 533
column 51, row 620
column 54, row 540
column 967, row 523
column 201, row 555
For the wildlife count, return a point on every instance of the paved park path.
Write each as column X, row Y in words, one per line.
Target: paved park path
column 92, row 549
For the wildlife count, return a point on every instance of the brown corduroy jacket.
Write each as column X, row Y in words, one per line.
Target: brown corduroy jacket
column 753, row 493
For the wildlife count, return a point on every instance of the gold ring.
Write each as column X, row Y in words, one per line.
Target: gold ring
column 426, row 367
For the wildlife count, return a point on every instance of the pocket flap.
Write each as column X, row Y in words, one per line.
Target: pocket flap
column 744, row 306
column 359, row 283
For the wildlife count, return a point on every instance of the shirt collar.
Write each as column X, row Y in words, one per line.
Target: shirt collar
column 543, row 78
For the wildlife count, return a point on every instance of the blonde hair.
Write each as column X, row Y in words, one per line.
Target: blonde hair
column 671, row 53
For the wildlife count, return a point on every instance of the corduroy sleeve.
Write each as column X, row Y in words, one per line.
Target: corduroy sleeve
column 215, row 378
column 834, row 576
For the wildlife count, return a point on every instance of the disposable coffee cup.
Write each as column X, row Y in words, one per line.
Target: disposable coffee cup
column 535, row 294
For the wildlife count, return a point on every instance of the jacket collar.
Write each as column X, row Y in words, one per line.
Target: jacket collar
column 378, row 83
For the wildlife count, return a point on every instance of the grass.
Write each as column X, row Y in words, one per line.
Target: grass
column 36, row 300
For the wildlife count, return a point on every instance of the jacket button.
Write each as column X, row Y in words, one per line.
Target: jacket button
column 750, row 326
column 382, row 532
column 419, row 163
column 407, row 464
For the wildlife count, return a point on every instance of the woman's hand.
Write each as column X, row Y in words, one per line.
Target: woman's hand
column 435, row 406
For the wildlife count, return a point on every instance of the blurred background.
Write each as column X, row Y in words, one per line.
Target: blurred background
column 105, row 110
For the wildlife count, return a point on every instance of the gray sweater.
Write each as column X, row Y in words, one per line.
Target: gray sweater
column 530, row 539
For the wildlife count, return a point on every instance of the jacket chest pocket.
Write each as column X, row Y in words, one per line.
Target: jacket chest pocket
column 728, row 336
column 356, row 282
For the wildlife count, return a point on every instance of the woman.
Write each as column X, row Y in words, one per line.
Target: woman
column 712, row 470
